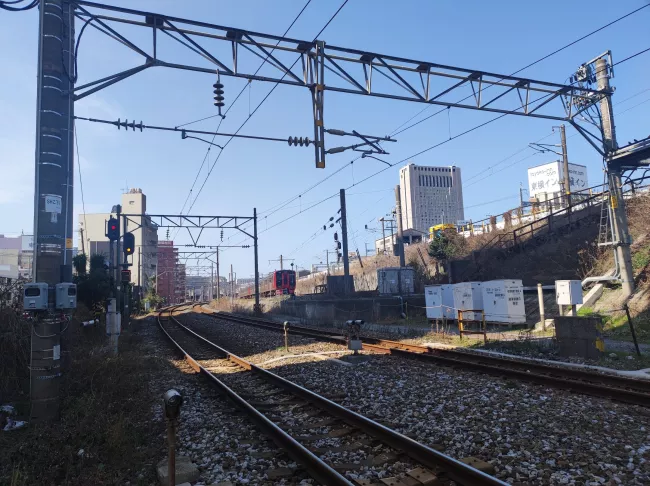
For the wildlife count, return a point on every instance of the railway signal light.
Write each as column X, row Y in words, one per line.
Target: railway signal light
column 113, row 229
column 125, row 276
column 128, row 243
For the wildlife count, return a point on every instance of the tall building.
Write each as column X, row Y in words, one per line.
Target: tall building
column 92, row 235
column 170, row 283
column 430, row 195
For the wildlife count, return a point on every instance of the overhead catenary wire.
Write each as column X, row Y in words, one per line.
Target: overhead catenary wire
column 260, row 104
column 397, row 131
column 207, row 153
column 446, row 108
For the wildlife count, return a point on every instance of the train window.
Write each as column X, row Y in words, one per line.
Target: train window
column 278, row 279
column 292, row 279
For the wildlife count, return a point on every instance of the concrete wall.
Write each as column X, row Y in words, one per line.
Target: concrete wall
column 370, row 309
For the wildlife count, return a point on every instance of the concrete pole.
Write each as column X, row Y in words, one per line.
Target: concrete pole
column 344, row 235
column 218, row 277
column 53, row 197
column 565, row 168
column 400, row 231
column 620, row 223
column 257, row 307
column 540, row 297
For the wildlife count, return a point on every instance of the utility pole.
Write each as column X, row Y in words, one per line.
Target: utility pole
column 232, row 286
column 81, row 237
column 257, row 309
column 53, row 198
column 565, row 168
column 218, row 278
column 400, row 231
column 619, row 224
column 139, row 279
column 327, row 260
column 281, row 260
column 344, row 235
column 212, row 281
column 383, row 234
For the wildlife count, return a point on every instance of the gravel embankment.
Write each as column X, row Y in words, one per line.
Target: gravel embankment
column 530, row 434
column 221, row 441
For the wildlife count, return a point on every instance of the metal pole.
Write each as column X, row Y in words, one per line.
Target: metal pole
column 620, row 224
column 344, row 235
column 218, row 278
column 629, row 321
column 211, row 281
column 139, row 279
column 327, row 259
column 257, row 307
column 540, row 297
column 383, row 234
column 53, row 197
column 232, row 285
column 400, row 232
column 565, row 168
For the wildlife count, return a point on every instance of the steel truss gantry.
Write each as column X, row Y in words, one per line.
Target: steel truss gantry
column 224, row 51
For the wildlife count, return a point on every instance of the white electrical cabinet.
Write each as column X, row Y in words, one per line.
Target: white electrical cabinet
column 503, row 301
column 568, row 292
column 468, row 296
column 439, row 300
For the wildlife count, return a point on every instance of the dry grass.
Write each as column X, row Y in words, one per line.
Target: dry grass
column 14, row 356
column 105, row 410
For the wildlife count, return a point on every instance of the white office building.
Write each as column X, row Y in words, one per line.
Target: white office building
column 430, row 195
column 92, row 233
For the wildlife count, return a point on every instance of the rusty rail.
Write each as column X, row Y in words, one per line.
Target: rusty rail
column 456, row 470
column 627, row 390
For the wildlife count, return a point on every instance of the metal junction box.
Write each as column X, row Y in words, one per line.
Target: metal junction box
column 35, row 296
column 66, row 295
column 568, row 292
column 468, row 296
column 439, row 301
column 396, row 280
column 503, row 301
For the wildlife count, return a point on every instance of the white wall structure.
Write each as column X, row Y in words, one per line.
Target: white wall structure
column 430, row 195
column 546, row 181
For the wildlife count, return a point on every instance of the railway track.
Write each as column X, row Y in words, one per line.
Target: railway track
column 315, row 431
column 627, row 390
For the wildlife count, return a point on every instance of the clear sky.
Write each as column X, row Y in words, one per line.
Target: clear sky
column 500, row 37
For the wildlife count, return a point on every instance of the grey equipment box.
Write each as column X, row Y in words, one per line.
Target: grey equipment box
column 35, row 296
column 66, row 295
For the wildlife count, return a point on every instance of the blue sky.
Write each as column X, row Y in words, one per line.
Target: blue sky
column 501, row 38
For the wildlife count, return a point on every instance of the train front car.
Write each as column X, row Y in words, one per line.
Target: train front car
column 284, row 282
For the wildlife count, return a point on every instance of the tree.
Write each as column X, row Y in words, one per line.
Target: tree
column 445, row 246
column 93, row 287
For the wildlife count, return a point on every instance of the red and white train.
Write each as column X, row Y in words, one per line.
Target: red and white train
column 280, row 282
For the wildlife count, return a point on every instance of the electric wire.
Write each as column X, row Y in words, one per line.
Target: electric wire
column 260, row 104
column 81, row 184
column 207, row 154
column 7, row 5
column 396, row 132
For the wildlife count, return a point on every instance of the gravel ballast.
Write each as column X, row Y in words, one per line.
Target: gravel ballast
column 530, row 434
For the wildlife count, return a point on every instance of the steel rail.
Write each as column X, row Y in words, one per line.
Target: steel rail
column 316, row 467
column 622, row 389
column 431, row 458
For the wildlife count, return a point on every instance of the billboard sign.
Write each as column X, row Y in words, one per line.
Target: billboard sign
column 548, row 178
column 27, row 243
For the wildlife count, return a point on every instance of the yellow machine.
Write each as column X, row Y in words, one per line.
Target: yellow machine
column 440, row 228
